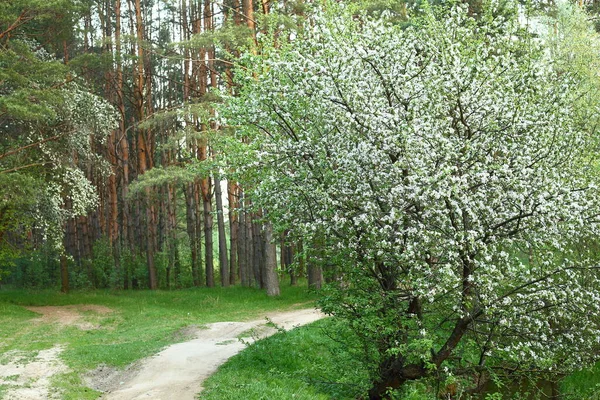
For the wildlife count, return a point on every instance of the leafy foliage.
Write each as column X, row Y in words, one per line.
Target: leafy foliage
column 48, row 125
column 449, row 164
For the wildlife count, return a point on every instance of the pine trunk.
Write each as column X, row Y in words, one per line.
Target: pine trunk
column 144, row 145
column 208, row 232
column 258, row 254
column 223, row 261
column 242, row 245
column 233, row 232
column 64, row 274
column 190, row 212
column 249, row 249
column 173, row 237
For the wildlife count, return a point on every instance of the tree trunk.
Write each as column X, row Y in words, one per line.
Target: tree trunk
column 150, row 250
column 233, row 231
column 71, row 245
column 249, row 248
column 270, row 266
column 315, row 276
column 249, row 14
column 190, row 211
column 162, row 216
column 64, row 274
column 174, row 242
column 223, row 261
column 203, row 153
column 208, row 232
column 242, row 247
column 315, row 271
column 287, row 260
column 258, row 252
column 144, row 145
column 86, row 249
column 122, row 139
column 199, row 203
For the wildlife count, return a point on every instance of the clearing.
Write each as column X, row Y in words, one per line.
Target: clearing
column 101, row 343
column 178, row 371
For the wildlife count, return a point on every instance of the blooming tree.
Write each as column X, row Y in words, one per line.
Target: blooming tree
column 48, row 127
column 447, row 164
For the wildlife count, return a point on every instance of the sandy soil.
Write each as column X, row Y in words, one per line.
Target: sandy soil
column 68, row 315
column 29, row 379
column 178, row 371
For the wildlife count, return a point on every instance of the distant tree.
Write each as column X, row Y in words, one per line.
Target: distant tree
column 47, row 124
column 447, row 165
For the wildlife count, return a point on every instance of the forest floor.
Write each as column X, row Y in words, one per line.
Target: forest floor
column 129, row 345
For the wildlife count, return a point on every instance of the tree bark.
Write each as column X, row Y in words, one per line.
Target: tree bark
column 233, row 232
column 242, row 246
column 314, row 269
column 208, row 232
column 199, row 203
column 190, row 211
column 287, row 260
column 258, row 254
column 315, row 276
column 64, row 274
column 150, row 250
column 249, row 248
column 248, row 7
column 110, row 90
column 393, row 375
column 223, row 261
column 144, row 152
column 271, row 278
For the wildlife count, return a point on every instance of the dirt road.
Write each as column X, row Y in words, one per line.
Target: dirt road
column 178, row 371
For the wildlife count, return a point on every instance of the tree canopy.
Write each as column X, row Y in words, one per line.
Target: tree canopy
column 448, row 167
column 46, row 121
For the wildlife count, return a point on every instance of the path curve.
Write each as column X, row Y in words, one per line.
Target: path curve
column 178, row 371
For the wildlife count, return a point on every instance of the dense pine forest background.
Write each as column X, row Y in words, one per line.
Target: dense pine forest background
column 112, row 166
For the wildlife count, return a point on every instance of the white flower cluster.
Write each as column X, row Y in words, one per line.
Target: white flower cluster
column 82, row 118
column 446, row 162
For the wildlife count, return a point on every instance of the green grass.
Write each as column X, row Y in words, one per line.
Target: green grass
column 72, row 388
column 303, row 364
column 142, row 323
column 306, row 363
column 584, row 384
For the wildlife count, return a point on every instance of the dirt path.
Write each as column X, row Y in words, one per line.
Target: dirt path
column 28, row 375
column 28, row 378
column 68, row 315
column 178, row 371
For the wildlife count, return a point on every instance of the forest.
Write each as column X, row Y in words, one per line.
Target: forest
column 425, row 174
column 95, row 96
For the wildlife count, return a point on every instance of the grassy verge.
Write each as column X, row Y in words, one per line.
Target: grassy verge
column 307, row 364
column 303, row 364
column 142, row 322
column 583, row 384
